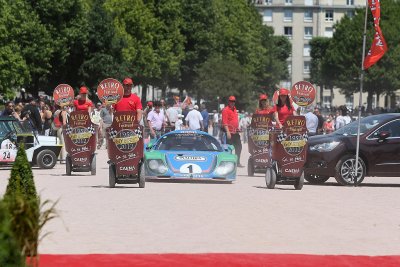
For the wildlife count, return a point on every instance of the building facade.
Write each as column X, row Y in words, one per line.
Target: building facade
column 300, row 21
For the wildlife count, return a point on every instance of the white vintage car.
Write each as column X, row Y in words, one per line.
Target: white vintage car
column 42, row 151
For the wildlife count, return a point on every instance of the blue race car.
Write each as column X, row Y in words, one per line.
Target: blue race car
column 191, row 155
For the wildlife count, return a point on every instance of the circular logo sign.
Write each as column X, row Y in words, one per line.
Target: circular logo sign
column 126, row 140
column 260, row 137
column 110, row 91
column 303, row 93
column 63, row 95
column 80, row 136
column 294, row 144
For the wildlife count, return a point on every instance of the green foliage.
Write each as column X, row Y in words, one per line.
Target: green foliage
column 10, row 254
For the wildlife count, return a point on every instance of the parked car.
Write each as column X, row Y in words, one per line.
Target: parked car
column 333, row 155
column 41, row 151
column 191, row 155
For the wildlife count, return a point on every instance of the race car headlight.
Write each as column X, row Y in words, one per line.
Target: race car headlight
column 157, row 166
column 225, row 167
column 324, row 147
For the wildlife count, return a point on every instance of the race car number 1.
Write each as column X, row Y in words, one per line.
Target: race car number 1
column 190, row 168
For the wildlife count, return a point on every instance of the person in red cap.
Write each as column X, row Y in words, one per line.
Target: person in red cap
column 230, row 123
column 283, row 108
column 83, row 103
column 263, row 105
column 129, row 102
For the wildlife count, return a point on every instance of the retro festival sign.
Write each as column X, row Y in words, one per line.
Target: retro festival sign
column 63, row 95
column 125, row 142
column 259, row 142
column 110, row 91
column 290, row 146
column 80, row 138
column 303, row 93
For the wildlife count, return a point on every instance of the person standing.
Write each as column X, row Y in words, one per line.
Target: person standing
column 129, row 102
column 311, row 122
column 329, row 125
column 230, row 122
column 156, row 121
column 32, row 111
column 320, row 121
column 46, row 116
column 106, row 115
column 263, row 105
column 83, row 103
column 206, row 117
column 215, row 123
column 194, row 119
column 283, row 108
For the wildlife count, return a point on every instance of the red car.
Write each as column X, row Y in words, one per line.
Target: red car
column 333, row 155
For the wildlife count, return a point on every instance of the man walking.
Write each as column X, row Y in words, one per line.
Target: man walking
column 194, row 119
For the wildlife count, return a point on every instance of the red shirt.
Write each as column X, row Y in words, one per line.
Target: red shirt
column 283, row 112
column 266, row 111
column 231, row 119
column 129, row 103
column 82, row 105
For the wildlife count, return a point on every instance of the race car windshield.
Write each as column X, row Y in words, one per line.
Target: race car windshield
column 188, row 142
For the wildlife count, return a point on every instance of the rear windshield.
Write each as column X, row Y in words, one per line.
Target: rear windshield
column 188, row 141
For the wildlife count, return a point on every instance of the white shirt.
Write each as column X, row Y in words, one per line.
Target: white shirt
column 172, row 114
column 194, row 117
column 178, row 124
column 311, row 122
column 215, row 117
column 340, row 122
column 156, row 119
column 346, row 119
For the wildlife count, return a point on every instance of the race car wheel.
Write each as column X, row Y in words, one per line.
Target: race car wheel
column 68, row 165
column 111, row 175
column 298, row 184
column 345, row 171
column 270, row 178
column 142, row 177
column 250, row 167
column 46, row 159
column 93, row 166
column 316, row 179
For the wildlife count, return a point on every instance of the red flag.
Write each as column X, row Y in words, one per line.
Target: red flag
column 378, row 47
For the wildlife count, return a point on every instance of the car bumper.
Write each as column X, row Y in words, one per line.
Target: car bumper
column 322, row 163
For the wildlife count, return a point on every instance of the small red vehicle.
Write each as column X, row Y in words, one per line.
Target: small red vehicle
column 80, row 143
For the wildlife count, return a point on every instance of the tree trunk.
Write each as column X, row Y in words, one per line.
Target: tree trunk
column 163, row 91
column 369, row 101
column 321, row 95
column 144, row 93
column 377, row 99
column 332, row 97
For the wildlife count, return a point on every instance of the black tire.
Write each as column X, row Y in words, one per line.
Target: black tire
column 142, row 176
column 298, row 184
column 270, row 178
column 344, row 171
column 68, row 165
column 46, row 159
column 111, row 175
column 250, row 167
column 316, row 179
column 93, row 166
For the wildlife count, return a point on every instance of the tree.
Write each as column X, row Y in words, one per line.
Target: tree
column 319, row 45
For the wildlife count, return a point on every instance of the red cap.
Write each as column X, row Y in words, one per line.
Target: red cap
column 263, row 97
column 232, row 98
column 283, row 91
column 83, row 90
column 150, row 103
column 128, row 81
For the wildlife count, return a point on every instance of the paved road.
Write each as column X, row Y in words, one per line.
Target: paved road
column 239, row 217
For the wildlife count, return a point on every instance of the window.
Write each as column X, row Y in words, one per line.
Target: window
column 306, row 67
column 267, row 17
column 288, row 32
column 308, row 2
column 392, row 127
column 268, row 2
column 308, row 32
column 328, row 32
column 329, row 15
column 289, row 67
column 288, row 2
column 350, row 13
column 350, row 2
column 306, row 50
column 308, row 16
column 288, row 15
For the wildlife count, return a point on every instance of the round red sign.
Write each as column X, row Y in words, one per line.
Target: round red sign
column 303, row 93
column 63, row 95
column 110, row 91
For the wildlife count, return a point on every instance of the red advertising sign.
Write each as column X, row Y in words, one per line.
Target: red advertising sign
column 80, row 138
column 289, row 146
column 259, row 143
column 110, row 91
column 125, row 143
column 303, row 93
column 63, row 95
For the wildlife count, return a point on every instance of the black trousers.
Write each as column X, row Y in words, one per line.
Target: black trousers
column 235, row 141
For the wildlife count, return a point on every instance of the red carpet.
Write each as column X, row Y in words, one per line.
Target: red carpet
column 215, row 260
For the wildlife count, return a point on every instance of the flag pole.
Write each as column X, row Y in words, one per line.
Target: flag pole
column 360, row 96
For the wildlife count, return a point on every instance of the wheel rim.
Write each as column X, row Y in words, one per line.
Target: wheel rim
column 347, row 170
column 47, row 160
